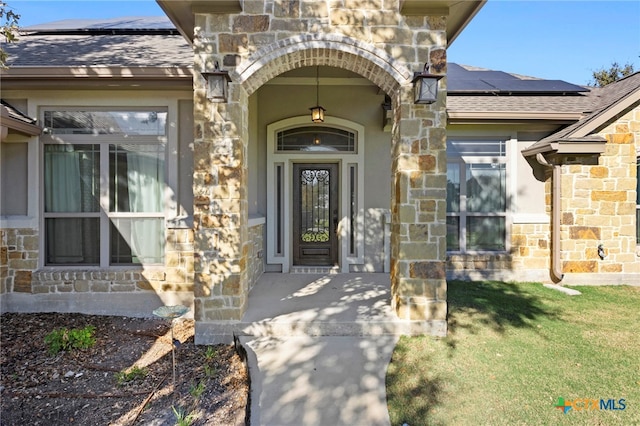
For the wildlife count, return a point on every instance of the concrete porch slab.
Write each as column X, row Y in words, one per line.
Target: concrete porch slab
column 318, row 305
column 318, row 347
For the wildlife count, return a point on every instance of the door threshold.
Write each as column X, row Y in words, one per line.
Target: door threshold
column 315, row 269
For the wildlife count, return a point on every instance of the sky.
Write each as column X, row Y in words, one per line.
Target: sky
column 555, row 40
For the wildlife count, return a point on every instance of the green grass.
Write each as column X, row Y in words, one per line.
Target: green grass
column 513, row 350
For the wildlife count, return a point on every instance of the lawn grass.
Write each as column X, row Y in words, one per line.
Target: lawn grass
column 513, row 350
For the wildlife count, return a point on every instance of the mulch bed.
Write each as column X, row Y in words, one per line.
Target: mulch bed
column 88, row 387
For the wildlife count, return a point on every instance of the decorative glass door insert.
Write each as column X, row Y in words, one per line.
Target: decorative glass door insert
column 315, row 214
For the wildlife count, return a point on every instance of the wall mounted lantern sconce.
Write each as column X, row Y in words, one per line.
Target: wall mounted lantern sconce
column 217, row 84
column 387, row 114
column 317, row 112
column 425, row 86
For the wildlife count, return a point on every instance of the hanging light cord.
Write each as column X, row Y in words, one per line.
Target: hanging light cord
column 317, row 85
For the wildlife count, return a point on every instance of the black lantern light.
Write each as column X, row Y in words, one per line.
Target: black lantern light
column 317, row 112
column 217, row 84
column 425, row 86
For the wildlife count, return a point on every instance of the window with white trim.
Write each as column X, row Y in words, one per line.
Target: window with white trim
column 476, row 195
column 104, row 180
column 316, row 139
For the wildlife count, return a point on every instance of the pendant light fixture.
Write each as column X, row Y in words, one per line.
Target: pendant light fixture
column 317, row 112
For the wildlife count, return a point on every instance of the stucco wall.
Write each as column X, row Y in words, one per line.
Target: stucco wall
column 361, row 104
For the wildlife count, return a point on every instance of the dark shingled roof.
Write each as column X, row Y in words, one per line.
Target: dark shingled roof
column 474, row 90
column 126, row 42
column 130, row 23
column 603, row 99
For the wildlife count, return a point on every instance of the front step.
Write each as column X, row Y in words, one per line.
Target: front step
column 212, row 332
column 326, row 270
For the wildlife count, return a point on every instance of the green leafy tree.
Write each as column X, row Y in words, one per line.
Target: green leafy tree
column 615, row 72
column 8, row 28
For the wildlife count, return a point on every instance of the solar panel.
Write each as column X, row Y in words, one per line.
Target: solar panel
column 463, row 80
column 124, row 23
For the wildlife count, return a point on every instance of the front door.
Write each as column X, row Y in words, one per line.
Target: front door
column 315, row 214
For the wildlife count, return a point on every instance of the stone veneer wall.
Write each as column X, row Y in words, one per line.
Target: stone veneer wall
column 255, row 262
column 369, row 37
column 19, row 272
column 18, row 259
column 599, row 204
column 528, row 260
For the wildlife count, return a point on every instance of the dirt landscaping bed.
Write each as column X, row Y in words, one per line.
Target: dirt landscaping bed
column 125, row 378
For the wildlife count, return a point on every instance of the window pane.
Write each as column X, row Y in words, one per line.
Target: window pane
column 453, row 187
column 71, row 178
column 72, row 241
column 486, row 190
column 136, row 181
column 453, row 233
column 149, row 123
column 479, row 148
column 486, row 233
column 316, row 138
column 137, row 241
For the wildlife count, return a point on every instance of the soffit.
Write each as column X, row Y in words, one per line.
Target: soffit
column 460, row 13
column 97, row 77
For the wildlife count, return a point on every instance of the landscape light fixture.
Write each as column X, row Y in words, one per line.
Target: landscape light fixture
column 317, row 112
column 425, row 86
column 217, row 84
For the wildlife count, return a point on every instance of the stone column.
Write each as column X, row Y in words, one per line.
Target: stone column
column 220, row 195
column 418, row 218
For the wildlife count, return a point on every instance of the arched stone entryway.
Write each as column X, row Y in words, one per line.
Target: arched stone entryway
column 418, row 180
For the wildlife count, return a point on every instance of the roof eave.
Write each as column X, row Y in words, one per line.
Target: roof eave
column 561, row 117
column 460, row 13
column 182, row 12
column 604, row 117
column 19, row 126
column 592, row 145
column 91, row 76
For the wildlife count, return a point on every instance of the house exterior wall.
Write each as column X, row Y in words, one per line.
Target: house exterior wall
column 371, row 38
column 27, row 284
column 599, row 208
column 527, row 253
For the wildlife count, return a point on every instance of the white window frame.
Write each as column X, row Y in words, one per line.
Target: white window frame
column 462, row 214
column 169, row 139
column 284, row 160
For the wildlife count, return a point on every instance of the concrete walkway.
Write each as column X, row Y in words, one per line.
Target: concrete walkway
column 318, row 348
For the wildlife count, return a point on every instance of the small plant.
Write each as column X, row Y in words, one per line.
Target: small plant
column 64, row 339
column 134, row 373
column 182, row 417
column 210, row 370
column 210, row 353
column 196, row 391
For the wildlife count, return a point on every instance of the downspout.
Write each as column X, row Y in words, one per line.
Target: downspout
column 556, row 199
